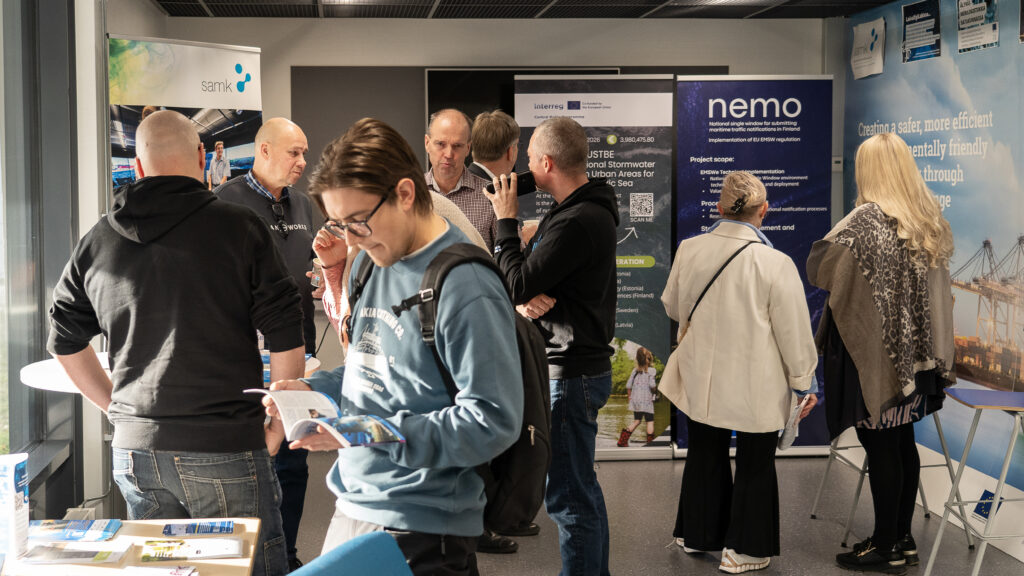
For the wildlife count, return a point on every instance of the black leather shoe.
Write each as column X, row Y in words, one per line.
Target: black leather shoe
column 294, row 563
column 525, row 529
column 909, row 549
column 491, row 543
column 868, row 558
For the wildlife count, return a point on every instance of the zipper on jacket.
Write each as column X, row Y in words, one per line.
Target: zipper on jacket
column 532, row 430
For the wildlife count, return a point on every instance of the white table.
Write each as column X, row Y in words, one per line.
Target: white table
column 50, row 375
column 137, row 532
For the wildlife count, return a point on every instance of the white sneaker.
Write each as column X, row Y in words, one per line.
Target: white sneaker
column 679, row 542
column 735, row 563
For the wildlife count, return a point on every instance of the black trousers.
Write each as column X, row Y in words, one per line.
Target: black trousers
column 894, row 470
column 716, row 512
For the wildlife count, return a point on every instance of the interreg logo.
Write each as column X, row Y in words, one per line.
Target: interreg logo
column 573, row 104
column 226, row 85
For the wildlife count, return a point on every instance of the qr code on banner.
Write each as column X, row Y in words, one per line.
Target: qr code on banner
column 641, row 205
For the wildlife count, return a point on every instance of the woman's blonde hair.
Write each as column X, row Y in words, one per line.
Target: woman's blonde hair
column 887, row 175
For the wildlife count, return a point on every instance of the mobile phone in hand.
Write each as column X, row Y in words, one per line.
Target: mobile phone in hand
column 525, row 184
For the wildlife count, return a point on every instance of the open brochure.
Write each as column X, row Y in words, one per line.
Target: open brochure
column 303, row 410
column 76, row 552
column 73, row 530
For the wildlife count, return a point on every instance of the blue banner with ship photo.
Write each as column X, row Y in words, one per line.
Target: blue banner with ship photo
column 960, row 113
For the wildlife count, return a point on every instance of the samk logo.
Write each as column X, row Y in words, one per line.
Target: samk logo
column 241, row 83
column 227, row 84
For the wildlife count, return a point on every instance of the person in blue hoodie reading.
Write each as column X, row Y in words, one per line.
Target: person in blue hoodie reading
column 424, row 492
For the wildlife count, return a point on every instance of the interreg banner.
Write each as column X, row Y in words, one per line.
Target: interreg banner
column 216, row 86
column 628, row 121
column 960, row 113
column 780, row 130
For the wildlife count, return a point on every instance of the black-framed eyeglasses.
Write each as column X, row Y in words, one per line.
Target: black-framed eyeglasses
column 359, row 229
column 282, row 224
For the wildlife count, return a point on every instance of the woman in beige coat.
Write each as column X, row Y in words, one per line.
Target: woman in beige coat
column 745, row 349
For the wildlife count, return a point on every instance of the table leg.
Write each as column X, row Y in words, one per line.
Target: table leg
column 953, row 491
column 999, row 492
column 949, row 468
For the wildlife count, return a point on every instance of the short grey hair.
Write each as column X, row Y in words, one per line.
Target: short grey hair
column 565, row 141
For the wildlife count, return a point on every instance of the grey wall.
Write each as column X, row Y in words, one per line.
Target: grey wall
column 328, row 99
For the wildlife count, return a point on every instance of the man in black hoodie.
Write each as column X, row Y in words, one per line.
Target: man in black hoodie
column 178, row 282
column 565, row 281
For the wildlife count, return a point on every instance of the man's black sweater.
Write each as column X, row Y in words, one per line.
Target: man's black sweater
column 179, row 282
column 572, row 259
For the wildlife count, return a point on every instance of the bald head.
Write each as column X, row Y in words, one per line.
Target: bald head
column 167, row 144
column 455, row 117
column 280, row 155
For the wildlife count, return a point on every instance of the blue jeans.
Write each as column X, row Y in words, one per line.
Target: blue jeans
column 574, row 499
column 158, row 484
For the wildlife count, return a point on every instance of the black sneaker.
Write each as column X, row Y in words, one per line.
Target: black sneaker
column 867, row 558
column 491, row 543
column 908, row 547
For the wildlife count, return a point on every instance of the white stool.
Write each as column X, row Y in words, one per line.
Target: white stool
column 835, row 453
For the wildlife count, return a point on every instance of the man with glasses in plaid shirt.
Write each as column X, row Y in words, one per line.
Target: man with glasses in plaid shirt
column 279, row 161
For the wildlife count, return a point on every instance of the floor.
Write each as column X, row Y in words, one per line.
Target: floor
column 642, row 497
column 641, row 526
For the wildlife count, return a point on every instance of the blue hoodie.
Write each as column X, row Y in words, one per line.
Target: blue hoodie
column 427, row 484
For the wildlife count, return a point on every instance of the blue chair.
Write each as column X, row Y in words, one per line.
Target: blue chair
column 375, row 553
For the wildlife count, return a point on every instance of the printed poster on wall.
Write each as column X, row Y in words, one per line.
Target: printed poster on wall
column 977, row 25
column 868, row 48
column 628, row 120
column 921, row 31
column 216, row 86
column 961, row 115
column 779, row 129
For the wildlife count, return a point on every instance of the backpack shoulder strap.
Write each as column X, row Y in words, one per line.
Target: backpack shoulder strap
column 430, row 292
column 359, row 281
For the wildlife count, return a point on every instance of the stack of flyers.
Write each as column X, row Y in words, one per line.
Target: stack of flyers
column 212, row 527
column 76, row 552
column 73, row 530
column 191, row 549
column 162, row 571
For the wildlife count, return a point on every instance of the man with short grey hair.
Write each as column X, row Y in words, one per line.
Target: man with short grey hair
column 565, row 281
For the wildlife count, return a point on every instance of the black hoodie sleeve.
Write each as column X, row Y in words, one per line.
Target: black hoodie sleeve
column 276, row 307
column 564, row 246
column 73, row 321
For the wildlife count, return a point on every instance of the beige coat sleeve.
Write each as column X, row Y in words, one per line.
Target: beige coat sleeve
column 787, row 307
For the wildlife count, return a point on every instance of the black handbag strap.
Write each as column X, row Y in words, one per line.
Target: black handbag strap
column 715, row 277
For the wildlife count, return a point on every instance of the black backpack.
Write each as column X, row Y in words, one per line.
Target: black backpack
column 515, row 479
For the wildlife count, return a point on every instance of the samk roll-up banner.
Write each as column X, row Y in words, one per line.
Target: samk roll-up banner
column 216, row 86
